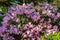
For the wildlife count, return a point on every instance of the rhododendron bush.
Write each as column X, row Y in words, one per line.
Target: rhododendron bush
column 30, row 22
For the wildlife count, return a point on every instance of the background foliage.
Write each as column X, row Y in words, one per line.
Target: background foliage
column 55, row 36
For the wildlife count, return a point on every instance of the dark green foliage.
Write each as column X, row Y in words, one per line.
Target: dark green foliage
column 14, row 2
column 1, row 17
column 3, row 9
column 1, row 38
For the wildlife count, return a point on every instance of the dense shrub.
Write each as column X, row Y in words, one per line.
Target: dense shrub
column 30, row 22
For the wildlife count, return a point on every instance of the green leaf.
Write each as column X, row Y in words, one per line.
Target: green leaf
column 55, row 36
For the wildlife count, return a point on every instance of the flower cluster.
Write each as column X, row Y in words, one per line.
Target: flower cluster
column 27, row 22
column 48, row 10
